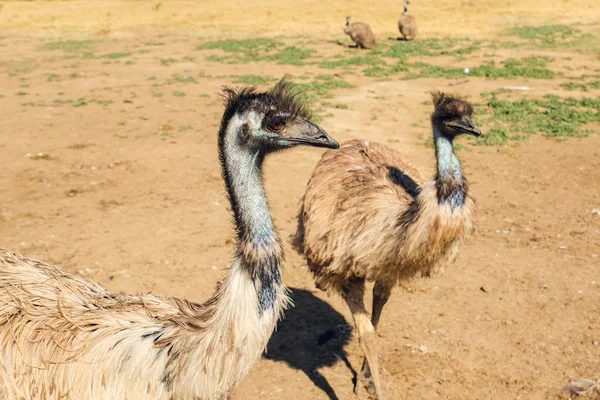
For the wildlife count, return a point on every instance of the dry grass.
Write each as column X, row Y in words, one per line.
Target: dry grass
column 305, row 17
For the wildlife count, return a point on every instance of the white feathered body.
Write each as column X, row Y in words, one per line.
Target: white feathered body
column 62, row 337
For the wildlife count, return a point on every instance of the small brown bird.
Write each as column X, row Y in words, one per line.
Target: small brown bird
column 368, row 215
column 407, row 24
column 62, row 337
column 360, row 33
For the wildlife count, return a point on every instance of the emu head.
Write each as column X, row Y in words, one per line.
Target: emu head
column 452, row 116
column 269, row 121
column 347, row 21
column 406, row 3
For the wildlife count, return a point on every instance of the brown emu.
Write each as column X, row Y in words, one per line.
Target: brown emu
column 360, row 33
column 368, row 215
column 407, row 24
column 62, row 337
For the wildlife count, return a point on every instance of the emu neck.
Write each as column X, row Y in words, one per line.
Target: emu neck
column 450, row 184
column 258, row 247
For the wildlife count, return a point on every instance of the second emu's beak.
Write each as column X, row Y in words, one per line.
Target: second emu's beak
column 303, row 131
column 464, row 125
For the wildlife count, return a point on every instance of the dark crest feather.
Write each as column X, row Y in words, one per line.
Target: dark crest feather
column 447, row 105
column 288, row 100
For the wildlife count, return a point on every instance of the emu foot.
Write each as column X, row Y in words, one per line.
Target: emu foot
column 364, row 376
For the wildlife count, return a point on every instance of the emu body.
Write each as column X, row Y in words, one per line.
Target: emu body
column 368, row 215
column 360, row 33
column 62, row 337
column 407, row 24
column 65, row 338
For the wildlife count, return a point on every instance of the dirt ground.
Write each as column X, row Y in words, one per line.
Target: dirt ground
column 114, row 177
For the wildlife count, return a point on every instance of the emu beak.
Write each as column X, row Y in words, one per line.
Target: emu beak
column 464, row 125
column 307, row 133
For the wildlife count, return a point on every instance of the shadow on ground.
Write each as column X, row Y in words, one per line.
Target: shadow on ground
column 311, row 336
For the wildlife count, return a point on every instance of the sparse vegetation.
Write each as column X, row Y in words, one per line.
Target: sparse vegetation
column 182, row 79
column 552, row 115
column 253, row 80
column 556, row 36
column 244, row 46
column 68, row 45
column 114, row 56
column 252, row 50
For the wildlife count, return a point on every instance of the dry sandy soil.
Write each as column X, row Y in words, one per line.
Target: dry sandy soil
column 109, row 169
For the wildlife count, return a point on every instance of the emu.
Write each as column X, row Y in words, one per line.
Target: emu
column 407, row 24
column 367, row 216
column 62, row 337
column 360, row 33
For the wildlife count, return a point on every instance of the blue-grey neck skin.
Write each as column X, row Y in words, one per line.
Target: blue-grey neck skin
column 243, row 175
column 448, row 166
column 244, row 172
column 406, row 6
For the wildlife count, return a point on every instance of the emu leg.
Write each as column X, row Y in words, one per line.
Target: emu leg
column 381, row 295
column 354, row 297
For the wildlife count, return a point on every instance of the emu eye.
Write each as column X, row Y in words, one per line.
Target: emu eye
column 276, row 126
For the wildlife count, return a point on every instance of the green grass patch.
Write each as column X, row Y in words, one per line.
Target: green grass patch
column 253, row 79
column 68, row 45
column 182, row 79
column 552, row 115
column 372, row 58
column 244, row 45
column 580, row 86
column 548, row 33
column 178, row 94
column 167, row 61
column 252, row 50
column 289, row 55
column 435, row 71
column 555, row 36
column 495, row 136
column 320, row 87
column 115, row 56
column 529, row 67
column 432, row 47
column 82, row 101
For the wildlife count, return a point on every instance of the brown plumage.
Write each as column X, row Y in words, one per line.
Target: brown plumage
column 360, row 33
column 368, row 215
column 62, row 337
column 407, row 24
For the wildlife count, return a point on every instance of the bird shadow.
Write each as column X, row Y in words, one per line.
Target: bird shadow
column 398, row 39
column 311, row 336
column 348, row 46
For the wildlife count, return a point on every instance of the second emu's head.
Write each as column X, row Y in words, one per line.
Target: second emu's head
column 264, row 122
column 452, row 116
